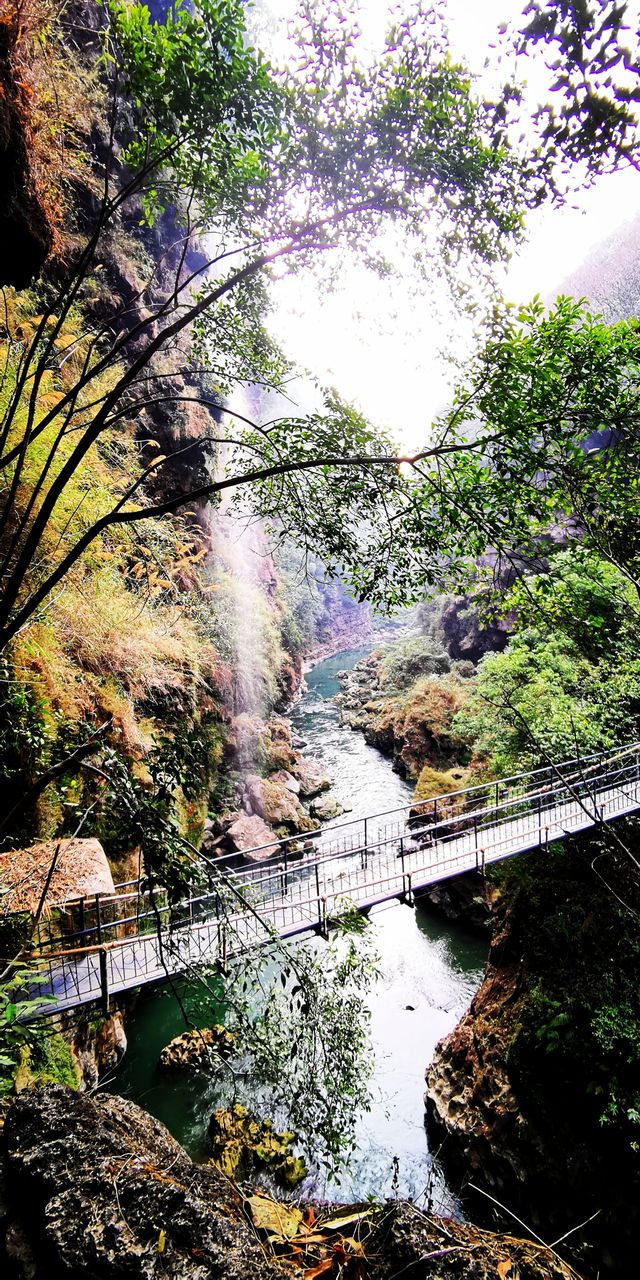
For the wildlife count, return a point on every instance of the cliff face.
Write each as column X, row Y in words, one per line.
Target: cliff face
column 25, row 234
column 535, row 1091
column 95, row 1187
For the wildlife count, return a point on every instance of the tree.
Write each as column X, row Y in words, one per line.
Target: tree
column 275, row 166
column 569, row 681
column 595, row 52
column 552, row 399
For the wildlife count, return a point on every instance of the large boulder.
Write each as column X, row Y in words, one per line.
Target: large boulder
column 249, row 832
column 198, row 1050
column 94, row 1187
column 312, row 777
column 326, row 807
column 274, row 801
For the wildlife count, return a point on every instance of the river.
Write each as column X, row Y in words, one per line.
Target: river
column 429, row 972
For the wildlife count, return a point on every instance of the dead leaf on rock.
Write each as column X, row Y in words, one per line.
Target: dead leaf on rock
column 279, row 1220
column 507, row 1270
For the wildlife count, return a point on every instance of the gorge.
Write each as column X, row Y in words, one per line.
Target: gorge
column 447, row 552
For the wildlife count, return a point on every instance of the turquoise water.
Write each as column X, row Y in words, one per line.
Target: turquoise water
column 430, row 971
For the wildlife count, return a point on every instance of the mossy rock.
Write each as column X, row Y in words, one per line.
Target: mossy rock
column 242, row 1142
column 437, row 782
column 197, row 1050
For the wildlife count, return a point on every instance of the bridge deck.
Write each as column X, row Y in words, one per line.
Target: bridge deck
column 286, row 899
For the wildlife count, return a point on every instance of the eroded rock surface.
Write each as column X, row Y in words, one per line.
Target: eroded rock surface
column 94, row 1187
column 404, row 1241
column 242, row 1142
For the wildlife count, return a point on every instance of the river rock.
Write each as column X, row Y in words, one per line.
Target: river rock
column 273, row 800
column 286, row 780
column 95, row 1187
column 198, row 1049
column 312, row 777
column 248, row 831
column 241, row 1141
column 326, row 807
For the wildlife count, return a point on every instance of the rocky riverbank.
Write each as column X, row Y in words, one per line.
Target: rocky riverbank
column 540, row 1076
column 404, row 698
column 96, row 1187
column 278, row 792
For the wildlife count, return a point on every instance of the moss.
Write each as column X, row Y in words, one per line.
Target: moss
column 52, row 1062
column 241, row 1141
column 435, row 782
column 48, row 1060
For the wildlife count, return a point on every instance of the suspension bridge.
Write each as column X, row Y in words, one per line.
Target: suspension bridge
column 89, row 949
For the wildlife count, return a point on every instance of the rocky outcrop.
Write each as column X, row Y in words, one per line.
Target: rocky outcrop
column 464, row 899
column 412, row 725
column 471, row 1101
column 311, row 777
column 94, row 1187
column 404, row 1241
column 465, row 630
column 97, row 1045
column 276, row 803
column 245, row 832
column 532, row 1095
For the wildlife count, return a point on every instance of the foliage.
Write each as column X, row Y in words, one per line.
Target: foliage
column 594, row 57
column 569, row 681
column 300, row 1019
column 406, row 660
column 142, row 809
column 574, row 1055
column 359, row 143
column 18, row 999
column 543, row 438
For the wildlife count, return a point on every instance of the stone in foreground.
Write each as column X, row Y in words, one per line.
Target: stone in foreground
column 94, row 1187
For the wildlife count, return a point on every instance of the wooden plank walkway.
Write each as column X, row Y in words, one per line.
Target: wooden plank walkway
column 356, row 864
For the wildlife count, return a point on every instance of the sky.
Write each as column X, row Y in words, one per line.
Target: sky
column 386, row 350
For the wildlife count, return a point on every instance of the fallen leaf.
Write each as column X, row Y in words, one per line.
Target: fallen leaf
column 276, row 1219
column 507, row 1270
column 337, row 1223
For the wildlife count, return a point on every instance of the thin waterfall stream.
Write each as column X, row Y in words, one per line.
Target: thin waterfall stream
column 430, row 970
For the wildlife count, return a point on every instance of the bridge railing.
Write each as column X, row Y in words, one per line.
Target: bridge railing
column 487, row 815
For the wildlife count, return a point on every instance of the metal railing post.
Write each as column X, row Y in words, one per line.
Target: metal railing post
column 98, row 920
column 104, row 981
